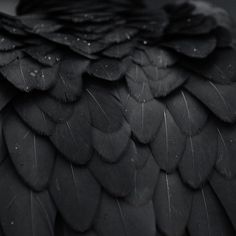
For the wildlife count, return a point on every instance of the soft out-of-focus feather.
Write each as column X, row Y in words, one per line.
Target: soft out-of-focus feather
column 8, row 57
column 144, row 183
column 207, row 215
column 169, row 143
column 172, row 203
column 226, row 161
column 119, row 50
column 226, row 193
column 8, row 43
column 33, row 116
column 73, row 138
column 199, row 156
column 188, row 113
column 70, row 82
column 119, row 218
column 199, row 47
column 116, row 178
column 76, row 194
column 23, row 211
column 31, row 154
column 220, row 99
column 219, row 67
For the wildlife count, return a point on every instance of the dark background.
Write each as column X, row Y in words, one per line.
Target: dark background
column 9, row 5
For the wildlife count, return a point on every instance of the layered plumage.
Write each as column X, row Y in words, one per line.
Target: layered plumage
column 117, row 121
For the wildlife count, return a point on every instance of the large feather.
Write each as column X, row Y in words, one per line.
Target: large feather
column 169, row 144
column 226, row 193
column 226, row 161
column 31, row 154
column 220, row 99
column 144, row 184
column 76, row 194
column 73, row 138
column 26, row 74
column 199, row 156
column 172, row 202
column 207, row 216
column 22, row 211
column 188, row 113
column 118, row 218
column 116, row 178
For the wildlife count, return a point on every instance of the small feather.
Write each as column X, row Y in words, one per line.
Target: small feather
column 193, row 47
column 207, row 216
column 118, row 218
column 76, row 194
column 107, row 69
column 119, row 50
column 119, row 35
column 31, row 154
column 169, row 144
column 7, row 43
column 172, row 203
column 199, row 156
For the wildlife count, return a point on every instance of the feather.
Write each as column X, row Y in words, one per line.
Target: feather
column 226, row 162
column 140, row 57
column 172, row 203
column 163, row 81
column 188, row 113
column 220, row 99
column 44, row 54
column 145, row 180
column 58, row 111
column 140, row 117
column 197, row 47
column 107, row 69
column 26, row 75
column 161, row 57
column 22, row 211
column 117, row 178
column 119, row 50
column 169, row 144
column 226, row 193
column 119, row 35
column 73, row 138
column 207, row 216
column 8, row 43
column 105, row 110
column 69, row 84
column 8, row 57
column 31, row 154
column 75, row 193
column 138, row 83
column 7, row 93
column 111, row 145
column 199, row 156
column 3, row 149
column 33, row 116
column 118, row 218
column 220, row 67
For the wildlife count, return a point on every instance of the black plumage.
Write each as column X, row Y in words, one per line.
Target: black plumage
column 117, row 120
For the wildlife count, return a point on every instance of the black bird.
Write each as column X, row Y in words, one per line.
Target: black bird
column 117, row 120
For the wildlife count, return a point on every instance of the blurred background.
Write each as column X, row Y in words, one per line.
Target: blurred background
column 230, row 5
